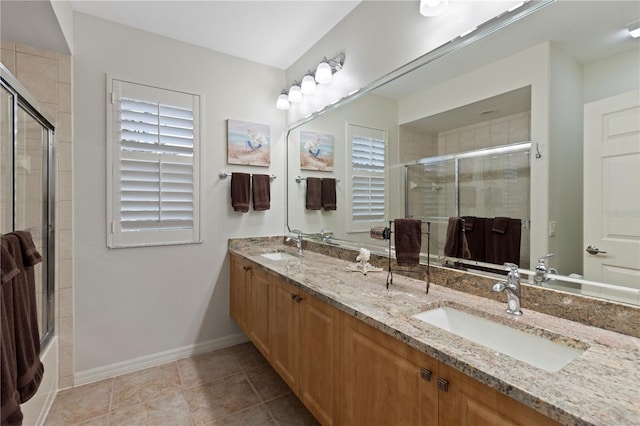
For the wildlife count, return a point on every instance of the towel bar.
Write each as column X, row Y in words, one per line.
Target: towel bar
column 224, row 175
column 300, row 179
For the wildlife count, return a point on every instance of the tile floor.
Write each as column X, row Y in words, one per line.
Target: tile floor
column 232, row 386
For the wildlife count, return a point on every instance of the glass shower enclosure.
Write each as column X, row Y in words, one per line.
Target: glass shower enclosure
column 27, row 186
column 490, row 182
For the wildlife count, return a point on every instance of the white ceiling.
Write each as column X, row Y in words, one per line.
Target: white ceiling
column 274, row 33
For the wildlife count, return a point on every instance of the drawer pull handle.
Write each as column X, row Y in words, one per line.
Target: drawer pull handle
column 425, row 374
column 293, row 297
column 246, row 268
column 443, row 385
column 298, row 299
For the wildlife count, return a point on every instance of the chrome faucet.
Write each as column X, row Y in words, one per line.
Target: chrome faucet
column 512, row 288
column 298, row 239
column 325, row 235
column 540, row 278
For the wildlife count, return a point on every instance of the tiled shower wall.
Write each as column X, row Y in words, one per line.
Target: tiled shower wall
column 47, row 76
column 501, row 131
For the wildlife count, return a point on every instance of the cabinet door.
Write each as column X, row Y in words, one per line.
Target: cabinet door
column 319, row 350
column 284, row 311
column 468, row 402
column 258, row 310
column 381, row 381
column 237, row 291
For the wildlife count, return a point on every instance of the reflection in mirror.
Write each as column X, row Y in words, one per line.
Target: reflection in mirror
column 561, row 89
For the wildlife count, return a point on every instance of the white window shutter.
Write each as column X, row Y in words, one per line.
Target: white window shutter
column 367, row 177
column 155, row 166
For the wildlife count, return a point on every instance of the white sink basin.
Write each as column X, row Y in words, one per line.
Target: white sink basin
column 279, row 256
column 529, row 348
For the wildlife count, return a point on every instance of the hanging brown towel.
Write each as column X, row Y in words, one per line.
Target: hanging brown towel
column 456, row 242
column 240, row 186
column 10, row 412
column 408, row 240
column 504, row 246
column 474, row 232
column 261, row 188
column 314, row 193
column 329, row 193
column 27, row 337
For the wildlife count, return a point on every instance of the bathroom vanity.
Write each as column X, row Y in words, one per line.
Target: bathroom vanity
column 355, row 353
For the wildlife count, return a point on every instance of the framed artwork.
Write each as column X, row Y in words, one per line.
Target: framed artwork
column 248, row 143
column 316, row 151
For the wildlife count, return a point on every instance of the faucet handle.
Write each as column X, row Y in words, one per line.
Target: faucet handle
column 543, row 259
column 512, row 267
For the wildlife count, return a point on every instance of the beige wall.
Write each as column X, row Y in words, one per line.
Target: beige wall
column 47, row 77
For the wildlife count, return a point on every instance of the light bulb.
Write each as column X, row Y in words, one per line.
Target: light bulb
column 308, row 85
column 295, row 94
column 433, row 7
column 323, row 73
column 283, row 101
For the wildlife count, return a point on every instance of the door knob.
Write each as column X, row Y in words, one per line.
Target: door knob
column 594, row 250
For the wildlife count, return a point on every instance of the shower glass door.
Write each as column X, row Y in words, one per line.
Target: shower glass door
column 26, row 147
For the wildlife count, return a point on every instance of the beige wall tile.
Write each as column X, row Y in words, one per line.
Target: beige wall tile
column 64, row 218
column 65, row 279
column 64, row 186
column 63, row 131
column 66, row 332
column 39, row 75
column 64, row 97
column 30, row 50
column 66, row 243
column 7, row 44
column 8, row 59
column 64, row 68
column 50, row 112
column 64, row 156
column 66, row 361
column 65, row 382
column 66, row 303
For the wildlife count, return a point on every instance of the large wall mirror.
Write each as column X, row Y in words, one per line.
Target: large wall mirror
column 534, row 117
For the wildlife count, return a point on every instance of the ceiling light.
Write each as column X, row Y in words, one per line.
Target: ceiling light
column 295, row 94
column 308, row 85
column 283, row 101
column 323, row 72
column 634, row 29
column 433, row 7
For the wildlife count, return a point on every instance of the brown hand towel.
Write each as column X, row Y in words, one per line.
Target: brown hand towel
column 408, row 240
column 10, row 412
column 240, row 185
column 27, row 337
column 456, row 243
column 261, row 188
column 329, row 193
column 314, row 193
column 503, row 247
column 500, row 224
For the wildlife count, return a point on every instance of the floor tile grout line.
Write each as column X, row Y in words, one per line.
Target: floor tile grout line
column 271, row 416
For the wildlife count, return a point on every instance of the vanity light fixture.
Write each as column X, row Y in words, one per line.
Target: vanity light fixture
column 308, row 85
column 283, row 101
column 634, row 29
column 433, row 7
column 323, row 75
column 295, row 93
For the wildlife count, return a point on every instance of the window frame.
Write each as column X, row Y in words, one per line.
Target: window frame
column 356, row 226
column 116, row 236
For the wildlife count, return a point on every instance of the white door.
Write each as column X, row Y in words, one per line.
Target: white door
column 612, row 192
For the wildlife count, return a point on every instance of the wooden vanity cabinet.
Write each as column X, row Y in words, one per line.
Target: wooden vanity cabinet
column 467, row 402
column 240, row 272
column 384, row 381
column 348, row 372
column 249, row 302
column 305, row 338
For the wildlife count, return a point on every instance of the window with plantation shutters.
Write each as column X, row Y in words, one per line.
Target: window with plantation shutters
column 367, row 177
column 153, row 192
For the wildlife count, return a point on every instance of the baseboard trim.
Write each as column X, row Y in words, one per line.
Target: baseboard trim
column 147, row 361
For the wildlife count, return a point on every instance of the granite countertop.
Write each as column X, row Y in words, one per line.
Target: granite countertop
column 600, row 387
